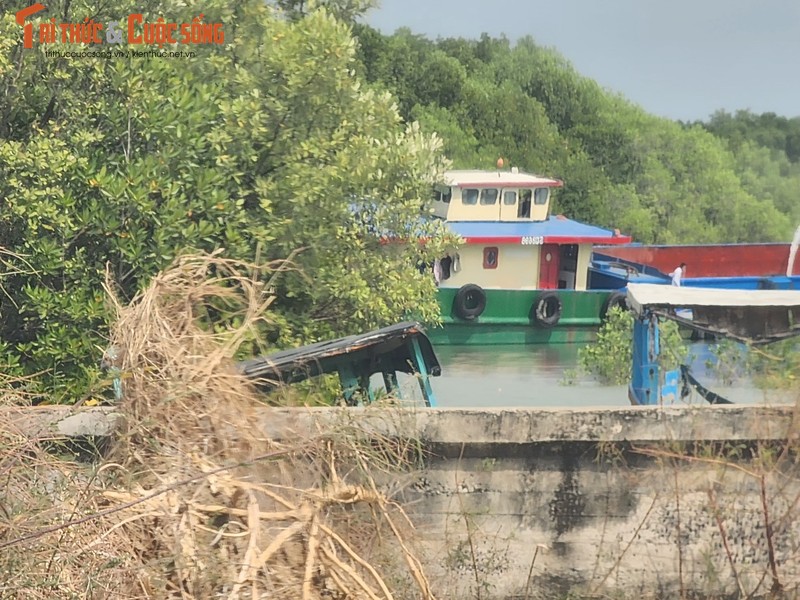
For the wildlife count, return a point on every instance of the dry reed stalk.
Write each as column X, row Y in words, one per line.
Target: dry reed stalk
column 193, row 502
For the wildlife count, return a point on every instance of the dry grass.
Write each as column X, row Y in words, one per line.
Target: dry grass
column 192, row 501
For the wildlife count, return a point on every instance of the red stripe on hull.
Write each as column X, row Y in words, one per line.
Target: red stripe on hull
column 734, row 260
column 548, row 239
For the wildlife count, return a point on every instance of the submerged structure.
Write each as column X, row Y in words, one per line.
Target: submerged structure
column 750, row 316
column 401, row 348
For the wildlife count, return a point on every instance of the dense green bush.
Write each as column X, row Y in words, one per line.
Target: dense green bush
column 609, row 359
column 262, row 148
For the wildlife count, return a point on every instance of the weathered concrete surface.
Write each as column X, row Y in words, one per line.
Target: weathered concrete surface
column 57, row 422
column 510, row 426
column 611, row 503
column 546, row 503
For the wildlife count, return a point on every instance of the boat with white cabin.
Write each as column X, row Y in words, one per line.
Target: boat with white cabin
column 521, row 274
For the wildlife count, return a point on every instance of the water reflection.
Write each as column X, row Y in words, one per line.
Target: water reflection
column 533, row 376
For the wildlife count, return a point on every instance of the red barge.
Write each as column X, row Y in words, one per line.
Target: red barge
column 718, row 260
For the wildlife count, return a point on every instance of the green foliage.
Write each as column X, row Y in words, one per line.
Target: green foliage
column 728, row 360
column 609, row 359
column 345, row 10
column 658, row 180
column 766, row 130
column 774, row 366
column 766, row 149
column 263, row 148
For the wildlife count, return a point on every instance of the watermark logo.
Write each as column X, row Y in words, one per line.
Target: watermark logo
column 133, row 30
column 27, row 28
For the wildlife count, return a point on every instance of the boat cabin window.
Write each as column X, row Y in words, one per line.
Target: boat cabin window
column 490, row 257
column 469, row 196
column 442, row 195
column 509, row 198
column 540, row 196
column 489, row 196
column 524, row 208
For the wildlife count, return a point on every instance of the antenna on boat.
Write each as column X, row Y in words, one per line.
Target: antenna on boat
column 793, row 252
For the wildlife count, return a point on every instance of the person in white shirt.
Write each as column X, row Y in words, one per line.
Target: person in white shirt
column 677, row 274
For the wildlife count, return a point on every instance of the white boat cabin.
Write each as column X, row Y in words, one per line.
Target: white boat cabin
column 511, row 241
column 493, row 196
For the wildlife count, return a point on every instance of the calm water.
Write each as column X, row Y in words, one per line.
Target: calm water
column 504, row 376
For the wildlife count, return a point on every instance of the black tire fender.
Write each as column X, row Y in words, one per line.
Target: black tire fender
column 546, row 310
column 470, row 302
column 618, row 299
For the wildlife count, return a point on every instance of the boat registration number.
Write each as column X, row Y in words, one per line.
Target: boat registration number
column 532, row 240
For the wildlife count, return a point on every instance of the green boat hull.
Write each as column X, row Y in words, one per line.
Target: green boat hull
column 508, row 318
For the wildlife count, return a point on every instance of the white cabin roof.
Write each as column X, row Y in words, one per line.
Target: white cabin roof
column 479, row 178
column 756, row 316
column 641, row 295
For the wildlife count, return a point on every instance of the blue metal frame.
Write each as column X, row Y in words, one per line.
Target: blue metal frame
column 355, row 359
column 422, row 373
column 647, row 386
column 645, row 375
column 356, row 380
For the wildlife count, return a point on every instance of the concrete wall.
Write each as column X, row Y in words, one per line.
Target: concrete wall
column 611, row 503
column 591, row 503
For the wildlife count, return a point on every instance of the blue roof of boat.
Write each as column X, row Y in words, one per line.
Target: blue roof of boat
column 555, row 229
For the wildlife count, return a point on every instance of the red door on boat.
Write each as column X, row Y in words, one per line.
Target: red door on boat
column 549, row 258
